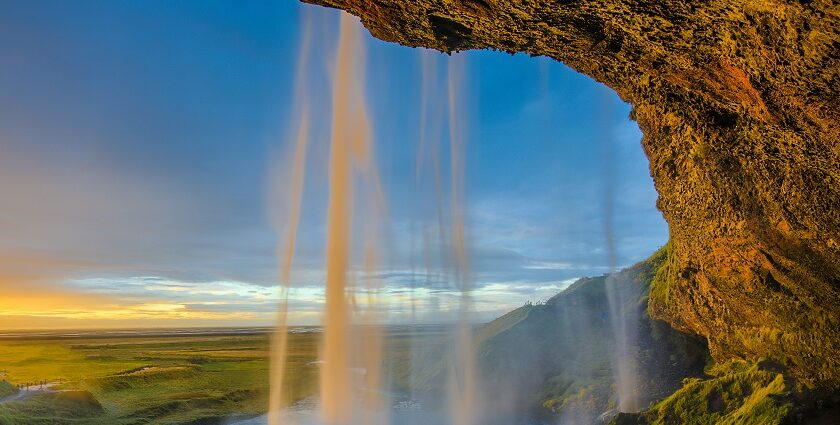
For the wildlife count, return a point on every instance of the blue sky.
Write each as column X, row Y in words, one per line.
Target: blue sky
column 139, row 143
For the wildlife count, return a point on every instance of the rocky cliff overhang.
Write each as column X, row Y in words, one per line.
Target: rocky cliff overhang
column 739, row 104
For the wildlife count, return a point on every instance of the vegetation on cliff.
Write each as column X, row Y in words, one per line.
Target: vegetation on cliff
column 735, row 392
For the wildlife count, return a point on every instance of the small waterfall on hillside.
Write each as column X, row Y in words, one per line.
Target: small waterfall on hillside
column 622, row 297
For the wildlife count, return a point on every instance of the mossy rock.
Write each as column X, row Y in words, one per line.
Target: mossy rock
column 736, row 392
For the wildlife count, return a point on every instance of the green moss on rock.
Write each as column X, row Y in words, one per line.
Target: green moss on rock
column 735, row 393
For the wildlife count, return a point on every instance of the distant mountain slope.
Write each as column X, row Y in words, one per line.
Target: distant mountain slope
column 557, row 361
column 557, row 357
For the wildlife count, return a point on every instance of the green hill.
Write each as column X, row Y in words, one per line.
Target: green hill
column 557, row 358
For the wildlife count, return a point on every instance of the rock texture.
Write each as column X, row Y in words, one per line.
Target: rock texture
column 739, row 103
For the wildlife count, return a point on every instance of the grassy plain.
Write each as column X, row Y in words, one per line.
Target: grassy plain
column 178, row 379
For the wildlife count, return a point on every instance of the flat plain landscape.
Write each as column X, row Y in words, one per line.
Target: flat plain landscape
column 162, row 377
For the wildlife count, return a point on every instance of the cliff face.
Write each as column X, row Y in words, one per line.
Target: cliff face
column 739, row 103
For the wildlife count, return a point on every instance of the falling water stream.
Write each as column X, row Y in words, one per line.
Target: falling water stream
column 351, row 378
column 462, row 375
column 279, row 339
column 621, row 295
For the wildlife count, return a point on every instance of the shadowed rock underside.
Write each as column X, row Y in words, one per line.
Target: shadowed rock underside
column 739, row 104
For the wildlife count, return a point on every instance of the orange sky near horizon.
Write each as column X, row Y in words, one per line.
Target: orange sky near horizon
column 24, row 307
column 35, row 300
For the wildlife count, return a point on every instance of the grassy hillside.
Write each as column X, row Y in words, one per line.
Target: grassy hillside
column 556, row 361
column 557, row 358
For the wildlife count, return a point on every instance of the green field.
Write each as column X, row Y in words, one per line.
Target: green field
column 161, row 380
column 168, row 379
column 150, row 380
